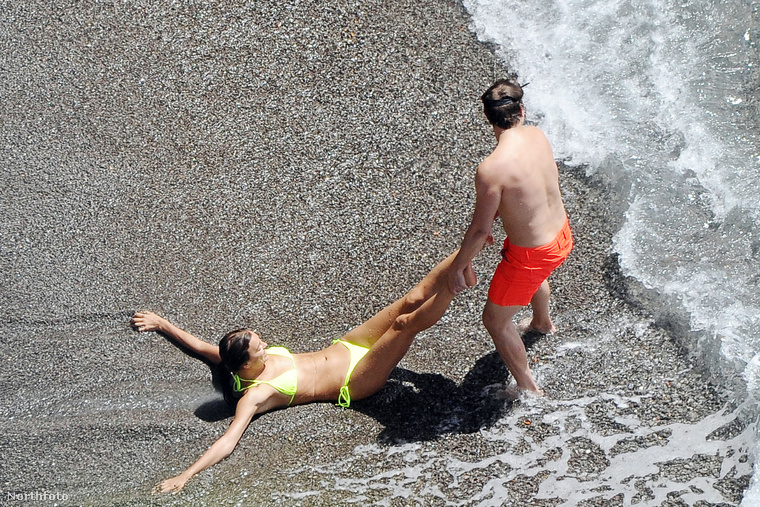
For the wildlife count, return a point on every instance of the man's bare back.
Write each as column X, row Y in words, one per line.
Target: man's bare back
column 523, row 166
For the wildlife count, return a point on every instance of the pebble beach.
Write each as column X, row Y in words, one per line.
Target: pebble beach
column 293, row 167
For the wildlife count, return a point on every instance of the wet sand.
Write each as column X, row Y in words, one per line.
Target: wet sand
column 294, row 167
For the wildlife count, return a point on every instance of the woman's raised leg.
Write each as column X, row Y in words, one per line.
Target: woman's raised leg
column 370, row 331
column 372, row 371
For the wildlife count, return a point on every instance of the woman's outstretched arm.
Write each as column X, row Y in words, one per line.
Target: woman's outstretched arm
column 149, row 321
column 246, row 409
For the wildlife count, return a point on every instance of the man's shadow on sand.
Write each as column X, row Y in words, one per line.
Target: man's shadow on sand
column 423, row 406
column 416, row 407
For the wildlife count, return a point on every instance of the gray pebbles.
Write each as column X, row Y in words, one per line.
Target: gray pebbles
column 294, row 166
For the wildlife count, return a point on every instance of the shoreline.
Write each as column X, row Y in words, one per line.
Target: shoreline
column 294, row 169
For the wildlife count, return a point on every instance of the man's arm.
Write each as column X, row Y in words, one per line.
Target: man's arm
column 488, row 198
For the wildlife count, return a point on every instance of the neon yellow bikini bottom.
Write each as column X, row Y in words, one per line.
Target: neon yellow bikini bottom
column 357, row 352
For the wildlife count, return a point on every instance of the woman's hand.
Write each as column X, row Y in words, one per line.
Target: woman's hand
column 173, row 485
column 147, row 321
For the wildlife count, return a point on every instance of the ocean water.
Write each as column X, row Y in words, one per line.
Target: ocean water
column 658, row 99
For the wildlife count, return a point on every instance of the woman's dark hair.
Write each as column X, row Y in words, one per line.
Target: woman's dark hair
column 233, row 349
column 502, row 103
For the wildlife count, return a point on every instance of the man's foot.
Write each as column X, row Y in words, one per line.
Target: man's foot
column 513, row 392
column 529, row 325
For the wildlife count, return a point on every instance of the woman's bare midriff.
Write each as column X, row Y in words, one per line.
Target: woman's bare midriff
column 321, row 374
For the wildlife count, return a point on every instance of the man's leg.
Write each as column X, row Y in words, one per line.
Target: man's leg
column 498, row 321
column 541, row 322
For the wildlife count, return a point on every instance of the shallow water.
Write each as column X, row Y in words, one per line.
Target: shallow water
column 658, row 100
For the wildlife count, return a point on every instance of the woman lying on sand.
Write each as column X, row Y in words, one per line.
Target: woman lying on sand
column 354, row 367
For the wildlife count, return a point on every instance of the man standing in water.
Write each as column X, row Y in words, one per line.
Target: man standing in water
column 518, row 181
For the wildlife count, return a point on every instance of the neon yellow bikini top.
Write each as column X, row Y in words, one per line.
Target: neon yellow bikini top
column 287, row 383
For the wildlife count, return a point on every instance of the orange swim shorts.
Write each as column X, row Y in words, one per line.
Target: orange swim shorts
column 522, row 270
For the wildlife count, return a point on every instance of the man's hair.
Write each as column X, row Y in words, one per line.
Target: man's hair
column 502, row 103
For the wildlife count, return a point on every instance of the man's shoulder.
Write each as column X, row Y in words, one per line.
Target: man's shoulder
column 496, row 165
